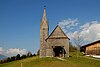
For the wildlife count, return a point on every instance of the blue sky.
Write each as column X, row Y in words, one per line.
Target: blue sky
column 20, row 19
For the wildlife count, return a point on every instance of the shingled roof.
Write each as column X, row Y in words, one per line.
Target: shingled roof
column 62, row 33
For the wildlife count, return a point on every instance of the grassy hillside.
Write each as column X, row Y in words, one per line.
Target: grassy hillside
column 54, row 62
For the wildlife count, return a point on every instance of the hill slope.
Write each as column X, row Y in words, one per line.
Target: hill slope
column 53, row 62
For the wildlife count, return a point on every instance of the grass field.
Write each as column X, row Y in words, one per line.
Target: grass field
column 73, row 61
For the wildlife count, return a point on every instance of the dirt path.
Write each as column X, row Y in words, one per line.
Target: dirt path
column 92, row 58
column 61, row 59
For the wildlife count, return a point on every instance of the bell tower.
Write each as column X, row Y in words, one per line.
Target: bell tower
column 44, row 27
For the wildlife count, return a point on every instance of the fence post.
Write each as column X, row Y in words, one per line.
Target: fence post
column 21, row 65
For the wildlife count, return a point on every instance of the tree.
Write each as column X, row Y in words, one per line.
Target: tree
column 78, row 40
column 29, row 54
column 8, row 59
column 72, row 48
column 23, row 56
column 18, row 57
column 38, row 52
column 34, row 54
column 1, row 62
column 13, row 58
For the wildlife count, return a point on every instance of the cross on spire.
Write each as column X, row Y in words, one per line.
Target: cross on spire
column 44, row 6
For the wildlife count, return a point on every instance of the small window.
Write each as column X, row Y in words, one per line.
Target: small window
column 43, row 28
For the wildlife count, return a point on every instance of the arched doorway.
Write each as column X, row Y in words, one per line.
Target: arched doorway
column 59, row 51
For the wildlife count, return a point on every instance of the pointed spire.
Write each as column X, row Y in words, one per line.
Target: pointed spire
column 44, row 14
column 44, row 19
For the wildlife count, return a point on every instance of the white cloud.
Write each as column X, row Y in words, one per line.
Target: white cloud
column 14, row 51
column 72, row 34
column 68, row 24
column 90, row 31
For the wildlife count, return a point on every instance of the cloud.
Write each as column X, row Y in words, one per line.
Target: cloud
column 68, row 24
column 14, row 51
column 89, row 31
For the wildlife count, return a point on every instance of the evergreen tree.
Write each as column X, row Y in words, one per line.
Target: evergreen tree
column 18, row 57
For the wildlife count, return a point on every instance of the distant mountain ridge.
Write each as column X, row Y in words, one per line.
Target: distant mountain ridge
column 2, row 57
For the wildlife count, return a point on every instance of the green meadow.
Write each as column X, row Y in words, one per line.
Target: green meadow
column 73, row 61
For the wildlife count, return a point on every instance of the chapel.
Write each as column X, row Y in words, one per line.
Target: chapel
column 54, row 45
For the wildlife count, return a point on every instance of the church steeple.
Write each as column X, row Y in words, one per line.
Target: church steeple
column 44, row 14
column 44, row 10
column 44, row 27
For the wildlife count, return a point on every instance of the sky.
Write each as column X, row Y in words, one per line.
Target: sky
column 20, row 22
